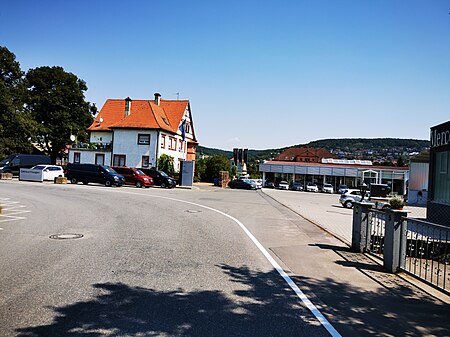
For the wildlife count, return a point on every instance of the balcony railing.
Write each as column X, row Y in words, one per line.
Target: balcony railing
column 92, row 146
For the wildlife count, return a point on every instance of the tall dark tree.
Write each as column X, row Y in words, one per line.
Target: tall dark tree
column 16, row 126
column 56, row 100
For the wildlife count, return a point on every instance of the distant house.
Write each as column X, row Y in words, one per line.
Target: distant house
column 304, row 154
column 136, row 133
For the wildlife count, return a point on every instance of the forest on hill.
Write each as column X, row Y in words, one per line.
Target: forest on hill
column 343, row 145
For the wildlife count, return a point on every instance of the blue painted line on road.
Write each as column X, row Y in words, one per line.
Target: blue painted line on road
column 316, row 312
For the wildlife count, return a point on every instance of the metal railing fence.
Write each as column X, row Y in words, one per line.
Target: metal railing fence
column 427, row 252
column 376, row 232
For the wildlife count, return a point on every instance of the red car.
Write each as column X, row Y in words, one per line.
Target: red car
column 134, row 176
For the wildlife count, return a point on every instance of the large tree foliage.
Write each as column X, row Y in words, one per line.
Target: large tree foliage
column 165, row 163
column 16, row 126
column 55, row 99
column 213, row 165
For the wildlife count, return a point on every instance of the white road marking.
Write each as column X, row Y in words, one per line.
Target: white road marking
column 13, row 208
column 316, row 312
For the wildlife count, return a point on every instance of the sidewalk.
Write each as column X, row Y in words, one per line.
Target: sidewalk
column 354, row 292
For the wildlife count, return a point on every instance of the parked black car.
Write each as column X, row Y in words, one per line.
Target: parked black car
column 160, row 178
column 15, row 162
column 92, row 173
column 269, row 184
column 296, row 186
column 242, row 183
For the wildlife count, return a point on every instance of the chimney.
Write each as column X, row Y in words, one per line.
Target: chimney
column 127, row 106
column 157, row 98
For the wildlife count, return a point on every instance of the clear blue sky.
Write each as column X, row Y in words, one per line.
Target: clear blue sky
column 258, row 74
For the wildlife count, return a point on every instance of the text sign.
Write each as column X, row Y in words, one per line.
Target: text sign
column 440, row 136
column 31, row 175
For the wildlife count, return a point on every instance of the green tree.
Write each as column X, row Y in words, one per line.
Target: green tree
column 402, row 161
column 165, row 163
column 16, row 126
column 200, row 168
column 214, row 165
column 57, row 103
column 253, row 170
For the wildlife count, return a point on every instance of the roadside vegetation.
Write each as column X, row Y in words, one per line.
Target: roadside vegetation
column 40, row 109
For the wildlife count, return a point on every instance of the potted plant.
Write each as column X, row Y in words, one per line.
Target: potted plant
column 396, row 203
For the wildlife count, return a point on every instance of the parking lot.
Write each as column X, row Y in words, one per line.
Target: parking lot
column 324, row 210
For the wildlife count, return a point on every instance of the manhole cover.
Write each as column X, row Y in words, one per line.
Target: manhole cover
column 192, row 211
column 65, row 236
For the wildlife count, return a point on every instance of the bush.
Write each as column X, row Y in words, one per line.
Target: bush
column 396, row 203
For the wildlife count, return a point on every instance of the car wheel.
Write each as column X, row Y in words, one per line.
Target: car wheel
column 138, row 184
column 107, row 183
column 348, row 204
column 163, row 185
column 73, row 181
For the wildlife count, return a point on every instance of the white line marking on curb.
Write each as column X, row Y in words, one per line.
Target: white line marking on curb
column 327, row 325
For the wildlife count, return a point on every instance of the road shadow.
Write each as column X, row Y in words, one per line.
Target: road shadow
column 331, row 247
column 262, row 305
column 394, row 310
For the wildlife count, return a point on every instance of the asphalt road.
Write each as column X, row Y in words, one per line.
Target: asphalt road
column 147, row 264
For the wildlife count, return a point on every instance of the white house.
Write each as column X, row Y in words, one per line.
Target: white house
column 135, row 133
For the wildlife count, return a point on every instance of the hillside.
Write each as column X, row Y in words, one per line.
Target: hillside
column 369, row 148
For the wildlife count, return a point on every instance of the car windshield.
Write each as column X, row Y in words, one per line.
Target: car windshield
column 163, row 173
column 140, row 172
column 38, row 167
column 283, row 182
column 108, row 169
column 5, row 161
column 327, row 185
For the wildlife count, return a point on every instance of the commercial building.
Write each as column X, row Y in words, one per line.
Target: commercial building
column 438, row 205
column 335, row 172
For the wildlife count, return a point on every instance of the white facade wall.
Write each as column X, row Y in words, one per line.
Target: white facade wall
column 179, row 153
column 126, row 143
column 88, row 156
column 101, row 137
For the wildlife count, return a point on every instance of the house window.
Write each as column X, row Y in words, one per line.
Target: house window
column 143, row 139
column 119, row 160
column 76, row 157
column 145, row 161
column 188, row 127
column 172, row 144
column 441, row 189
column 163, row 141
column 100, row 158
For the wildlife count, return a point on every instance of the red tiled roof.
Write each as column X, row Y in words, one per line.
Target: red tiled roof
column 144, row 114
column 304, row 152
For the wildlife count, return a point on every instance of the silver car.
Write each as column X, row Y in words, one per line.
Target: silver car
column 351, row 196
